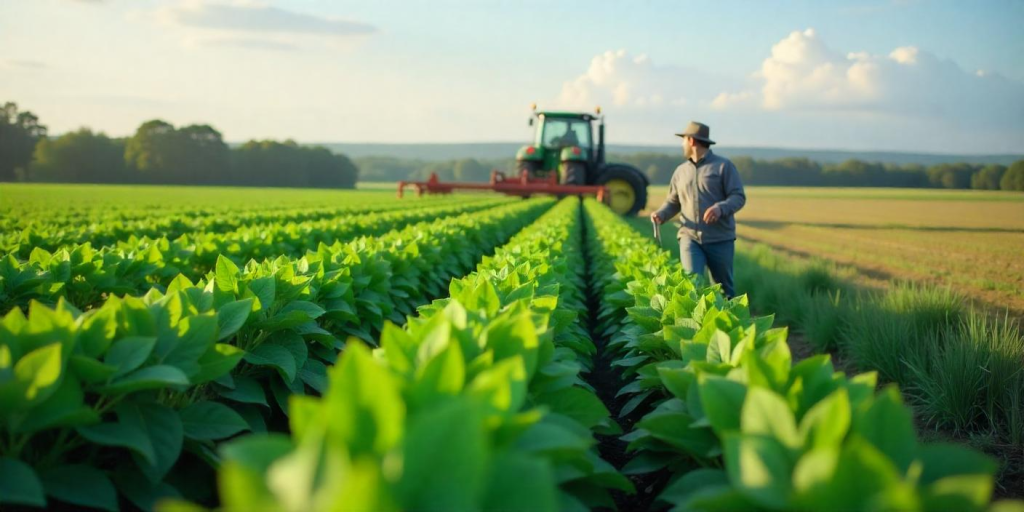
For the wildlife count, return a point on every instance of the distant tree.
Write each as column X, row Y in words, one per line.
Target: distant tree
column 154, row 152
column 1013, row 178
column 469, row 169
column 19, row 133
column 204, row 156
column 79, row 157
column 987, row 178
column 956, row 175
column 286, row 164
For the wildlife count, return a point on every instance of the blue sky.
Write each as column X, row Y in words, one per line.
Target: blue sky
column 888, row 74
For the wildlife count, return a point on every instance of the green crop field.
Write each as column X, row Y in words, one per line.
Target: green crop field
column 177, row 348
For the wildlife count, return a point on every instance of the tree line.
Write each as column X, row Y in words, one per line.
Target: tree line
column 804, row 172
column 196, row 154
column 159, row 153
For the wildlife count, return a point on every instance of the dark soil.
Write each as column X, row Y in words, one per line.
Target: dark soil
column 607, row 381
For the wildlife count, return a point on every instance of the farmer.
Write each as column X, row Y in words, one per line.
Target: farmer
column 706, row 191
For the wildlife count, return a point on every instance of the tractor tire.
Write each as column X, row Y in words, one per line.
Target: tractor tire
column 575, row 173
column 627, row 188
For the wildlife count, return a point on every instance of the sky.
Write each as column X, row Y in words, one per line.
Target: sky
column 898, row 75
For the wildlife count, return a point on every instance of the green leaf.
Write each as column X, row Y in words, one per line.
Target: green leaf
column 445, row 454
column 218, row 361
column 81, row 485
column 125, row 435
column 722, row 400
column 64, row 408
column 90, row 370
column 127, row 354
column 163, row 428
column 275, row 356
column 311, row 310
column 693, row 481
column 247, row 391
column 20, row 485
column 38, row 373
column 441, row 376
column 196, row 334
column 759, row 467
column 211, row 421
column 232, row 316
column 520, row 482
column 766, row 413
column 577, row 403
column 226, row 275
column 365, row 403
column 827, row 422
column 942, row 460
column 888, row 425
column 151, row 377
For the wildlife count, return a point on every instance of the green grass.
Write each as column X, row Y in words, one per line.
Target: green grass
column 963, row 370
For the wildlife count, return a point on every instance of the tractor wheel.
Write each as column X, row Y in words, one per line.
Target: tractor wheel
column 626, row 188
column 575, row 173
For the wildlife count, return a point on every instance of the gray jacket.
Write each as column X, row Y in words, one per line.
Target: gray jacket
column 695, row 188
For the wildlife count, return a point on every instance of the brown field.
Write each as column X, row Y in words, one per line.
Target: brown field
column 970, row 240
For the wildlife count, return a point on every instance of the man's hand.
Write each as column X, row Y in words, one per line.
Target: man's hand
column 711, row 215
column 655, row 218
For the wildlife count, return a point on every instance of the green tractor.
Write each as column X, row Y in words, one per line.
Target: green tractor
column 565, row 144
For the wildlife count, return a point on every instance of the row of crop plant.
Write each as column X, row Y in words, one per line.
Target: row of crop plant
column 85, row 276
column 126, row 403
column 242, row 239
column 742, row 427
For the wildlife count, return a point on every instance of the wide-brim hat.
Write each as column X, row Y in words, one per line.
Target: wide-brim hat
column 699, row 131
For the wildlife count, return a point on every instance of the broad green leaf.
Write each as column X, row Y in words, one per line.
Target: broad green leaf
column 211, row 421
column 81, row 485
column 520, row 482
column 64, row 408
column 827, row 422
column 445, row 454
column 163, row 428
column 577, row 403
column 127, row 354
column 722, row 400
column 90, row 370
column 274, row 356
column 247, row 391
column 219, row 360
column 441, row 376
column 226, row 273
column 126, row 435
column 759, row 467
column 38, row 373
column 150, row 377
column 364, row 403
column 20, row 485
column 232, row 316
column 766, row 413
column 887, row 424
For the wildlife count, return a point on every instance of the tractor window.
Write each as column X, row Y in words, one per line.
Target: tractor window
column 566, row 132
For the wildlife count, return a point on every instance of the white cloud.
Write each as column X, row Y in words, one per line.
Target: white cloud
column 619, row 79
column 255, row 25
column 805, row 74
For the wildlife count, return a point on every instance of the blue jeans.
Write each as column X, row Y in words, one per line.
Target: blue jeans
column 716, row 257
